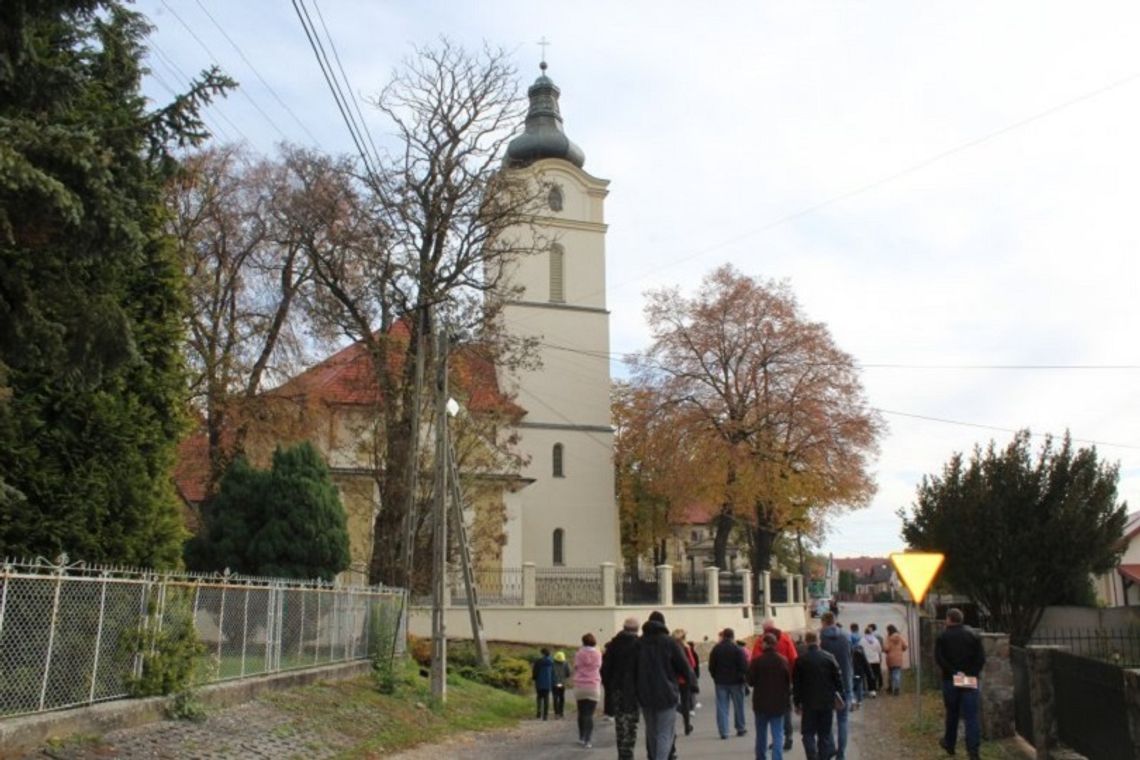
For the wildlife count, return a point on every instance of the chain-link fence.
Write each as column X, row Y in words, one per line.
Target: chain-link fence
column 70, row 634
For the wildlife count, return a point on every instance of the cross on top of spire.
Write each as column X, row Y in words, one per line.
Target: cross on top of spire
column 543, row 43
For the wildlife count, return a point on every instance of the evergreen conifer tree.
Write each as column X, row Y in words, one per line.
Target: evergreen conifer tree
column 90, row 288
column 285, row 522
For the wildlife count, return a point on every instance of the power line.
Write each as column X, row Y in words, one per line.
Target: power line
column 928, row 418
column 911, row 169
column 257, row 73
column 216, row 61
column 355, row 101
column 961, row 423
column 628, row 360
column 334, row 87
column 179, row 74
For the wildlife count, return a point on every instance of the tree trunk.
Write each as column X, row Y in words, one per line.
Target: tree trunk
column 762, row 540
column 724, row 523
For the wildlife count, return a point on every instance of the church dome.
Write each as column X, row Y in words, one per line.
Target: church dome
column 542, row 136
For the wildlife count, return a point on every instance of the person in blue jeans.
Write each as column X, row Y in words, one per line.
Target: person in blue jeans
column 770, row 677
column 960, row 655
column 834, row 641
column 728, row 666
column 815, row 684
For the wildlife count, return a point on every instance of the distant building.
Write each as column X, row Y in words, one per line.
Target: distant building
column 1121, row 586
column 874, row 576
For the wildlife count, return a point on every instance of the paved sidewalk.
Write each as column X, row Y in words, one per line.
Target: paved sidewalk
column 557, row 740
column 256, row 730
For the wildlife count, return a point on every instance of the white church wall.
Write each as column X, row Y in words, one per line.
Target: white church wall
column 564, row 626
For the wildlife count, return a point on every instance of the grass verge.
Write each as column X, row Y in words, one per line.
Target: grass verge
column 918, row 740
column 354, row 717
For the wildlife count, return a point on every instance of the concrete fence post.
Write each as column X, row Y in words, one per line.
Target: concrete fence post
column 530, row 590
column 712, row 583
column 665, row 585
column 746, row 590
column 997, row 699
column 766, row 590
column 1042, row 705
column 609, row 584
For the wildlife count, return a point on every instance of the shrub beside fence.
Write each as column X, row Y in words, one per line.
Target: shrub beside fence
column 72, row 634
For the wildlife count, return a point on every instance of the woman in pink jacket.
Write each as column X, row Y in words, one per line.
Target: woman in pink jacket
column 587, row 686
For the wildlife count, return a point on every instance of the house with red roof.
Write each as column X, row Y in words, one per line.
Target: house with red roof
column 1121, row 587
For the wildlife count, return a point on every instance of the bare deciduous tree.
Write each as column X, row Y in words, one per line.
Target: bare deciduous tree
column 442, row 218
column 245, row 275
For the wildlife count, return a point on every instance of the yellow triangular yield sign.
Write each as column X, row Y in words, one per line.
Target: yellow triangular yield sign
column 917, row 570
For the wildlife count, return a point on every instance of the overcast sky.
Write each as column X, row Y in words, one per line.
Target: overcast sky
column 948, row 186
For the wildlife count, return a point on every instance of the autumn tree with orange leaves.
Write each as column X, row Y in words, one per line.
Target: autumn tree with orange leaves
column 786, row 436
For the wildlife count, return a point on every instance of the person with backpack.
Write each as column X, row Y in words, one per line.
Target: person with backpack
column 873, row 651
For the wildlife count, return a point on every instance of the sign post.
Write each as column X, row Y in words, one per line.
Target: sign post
column 917, row 571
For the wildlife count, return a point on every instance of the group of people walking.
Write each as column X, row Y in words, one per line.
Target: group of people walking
column 649, row 674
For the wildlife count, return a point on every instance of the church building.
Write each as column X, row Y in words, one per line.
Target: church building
column 566, row 514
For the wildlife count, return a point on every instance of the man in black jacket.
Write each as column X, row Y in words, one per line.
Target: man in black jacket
column 619, row 677
column 728, row 666
column 659, row 662
column 816, row 684
column 959, row 653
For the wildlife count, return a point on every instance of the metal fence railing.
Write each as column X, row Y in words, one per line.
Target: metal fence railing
column 72, row 634
column 731, row 589
column 635, row 587
column 496, row 587
column 1117, row 646
column 691, row 588
column 568, row 586
column 1091, row 706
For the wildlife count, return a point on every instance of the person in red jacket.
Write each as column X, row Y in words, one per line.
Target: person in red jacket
column 787, row 648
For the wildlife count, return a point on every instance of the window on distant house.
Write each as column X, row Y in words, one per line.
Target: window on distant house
column 556, row 461
column 559, row 539
column 557, row 274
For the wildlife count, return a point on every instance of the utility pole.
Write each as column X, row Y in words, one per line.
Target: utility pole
column 439, row 525
column 482, row 656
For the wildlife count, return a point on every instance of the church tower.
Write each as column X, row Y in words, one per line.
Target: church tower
column 566, row 514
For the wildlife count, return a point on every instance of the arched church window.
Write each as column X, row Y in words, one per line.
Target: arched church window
column 559, row 556
column 556, row 461
column 554, row 198
column 557, row 273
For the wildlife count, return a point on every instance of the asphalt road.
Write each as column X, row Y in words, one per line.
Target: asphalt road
column 557, row 740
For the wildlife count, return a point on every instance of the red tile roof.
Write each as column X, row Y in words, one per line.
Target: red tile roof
column 696, row 513
column 1130, row 572
column 861, row 566
column 346, row 379
column 192, row 468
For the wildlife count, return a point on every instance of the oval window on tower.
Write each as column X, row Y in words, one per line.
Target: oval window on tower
column 554, row 198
